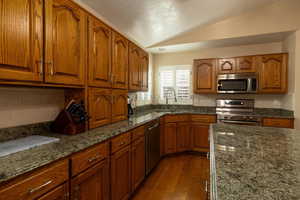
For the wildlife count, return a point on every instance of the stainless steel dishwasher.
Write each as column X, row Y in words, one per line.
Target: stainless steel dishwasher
column 152, row 145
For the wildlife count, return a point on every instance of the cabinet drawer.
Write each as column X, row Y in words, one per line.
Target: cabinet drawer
column 38, row 183
column 85, row 159
column 276, row 122
column 120, row 141
column 138, row 133
column 176, row 118
column 204, row 118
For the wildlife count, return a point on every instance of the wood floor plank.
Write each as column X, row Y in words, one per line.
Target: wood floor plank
column 180, row 177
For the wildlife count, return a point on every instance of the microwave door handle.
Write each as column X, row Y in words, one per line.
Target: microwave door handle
column 249, row 85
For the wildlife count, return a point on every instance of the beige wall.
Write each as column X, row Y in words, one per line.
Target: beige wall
column 281, row 16
column 21, row 106
column 186, row 58
column 297, row 80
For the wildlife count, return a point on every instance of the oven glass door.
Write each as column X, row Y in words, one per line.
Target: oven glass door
column 236, row 85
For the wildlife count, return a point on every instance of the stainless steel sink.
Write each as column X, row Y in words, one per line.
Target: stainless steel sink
column 21, row 144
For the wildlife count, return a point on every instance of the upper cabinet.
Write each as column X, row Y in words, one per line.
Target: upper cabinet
column 135, row 67
column 226, row 65
column 120, row 62
column 65, row 51
column 21, row 44
column 138, row 68
column 245, row 64
column 273, row 73
column 204, row 76
column 100, row 35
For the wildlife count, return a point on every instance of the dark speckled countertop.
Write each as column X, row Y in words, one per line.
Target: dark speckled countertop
column 254, row 163
column 25, row 161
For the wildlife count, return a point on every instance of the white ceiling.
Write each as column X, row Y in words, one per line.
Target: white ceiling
column 152, row 21
column 257, row 39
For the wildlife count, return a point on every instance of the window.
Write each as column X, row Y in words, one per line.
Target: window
column 175, row 84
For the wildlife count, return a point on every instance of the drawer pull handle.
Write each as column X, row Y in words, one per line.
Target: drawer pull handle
column 122, row 143
column 94, row 158
column 39, row 187
column 206, row 186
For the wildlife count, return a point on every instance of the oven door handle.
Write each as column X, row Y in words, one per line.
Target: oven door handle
column 239, row 122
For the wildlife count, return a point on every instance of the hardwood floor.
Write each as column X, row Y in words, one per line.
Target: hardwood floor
column 180, row 177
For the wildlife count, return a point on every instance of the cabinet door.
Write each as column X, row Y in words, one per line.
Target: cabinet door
column 21, row 44
column 92, row 184
column 119, row 106
column 59, row 193
column 204, row 76
column 170, row 138
column 65, row 42
column 100, row 107
column 134, row 68
column 200, row 134
column 245, row 64
column 226, row 66
column 145, row 70
column 183, row 136
column 120, row 62
column 121, row 174
column 99, row 54
column 273, row 73
column 138, row 163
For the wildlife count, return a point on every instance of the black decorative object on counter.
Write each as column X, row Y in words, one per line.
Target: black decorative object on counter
column 71, row 120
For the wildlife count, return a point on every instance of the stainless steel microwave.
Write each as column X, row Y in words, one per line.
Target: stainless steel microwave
column 237, row 83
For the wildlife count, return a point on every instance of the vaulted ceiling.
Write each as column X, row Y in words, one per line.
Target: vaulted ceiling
column 152, row 21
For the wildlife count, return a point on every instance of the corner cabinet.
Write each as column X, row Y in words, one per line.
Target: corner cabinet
column 119, row 62
column 65, row 51
column 273, row 73
column 21, row 44
column 100, row 38
column 204, row 71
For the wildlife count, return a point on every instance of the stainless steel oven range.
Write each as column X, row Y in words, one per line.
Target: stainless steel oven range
column 237, row 111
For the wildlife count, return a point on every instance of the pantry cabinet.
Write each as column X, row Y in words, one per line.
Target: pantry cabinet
column 119, row 62
column 273, row 73
column 100, row 39
column 92, row 184
column 21, row 44
column 204, row 76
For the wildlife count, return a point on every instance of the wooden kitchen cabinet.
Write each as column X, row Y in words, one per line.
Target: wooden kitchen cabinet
column 204, row 72
column 121, row 174
column 92, row 184
column 100, row 39
column 100, row 107
column 135, row 68
column 246, row 64
column 119, row 105
column 170, row 131
column 200, row 134
column 21, row 44
column 278, row 122
column 183, row 137
column 273, row 73
column 138, row 162
column 119, row 61
column 65, row 35
column 144, row 70
column 226, row 65
column 59, row 193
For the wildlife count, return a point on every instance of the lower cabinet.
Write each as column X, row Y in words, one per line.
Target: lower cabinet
column 200, row 133
column 121, row 174
column 183, row 137
column 170, row 138
column 93, row 184
column 278, row 122
column 59, row 193
column 138, row 163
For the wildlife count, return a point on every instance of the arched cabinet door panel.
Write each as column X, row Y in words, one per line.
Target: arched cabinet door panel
column 119, row 105
column 204, row 71
column 65, row 52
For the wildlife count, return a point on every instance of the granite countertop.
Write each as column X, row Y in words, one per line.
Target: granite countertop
column 25, row 161
column 251, row 163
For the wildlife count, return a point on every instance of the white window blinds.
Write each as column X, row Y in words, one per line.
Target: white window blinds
column 175, row 85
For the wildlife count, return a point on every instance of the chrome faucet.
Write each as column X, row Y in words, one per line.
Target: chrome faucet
column 171, row 90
